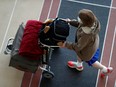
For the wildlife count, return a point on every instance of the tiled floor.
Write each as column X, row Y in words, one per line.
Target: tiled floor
column 12, row 13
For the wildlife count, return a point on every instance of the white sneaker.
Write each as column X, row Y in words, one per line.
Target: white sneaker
column 105, row 73
column 9, row 46
column 73, row 64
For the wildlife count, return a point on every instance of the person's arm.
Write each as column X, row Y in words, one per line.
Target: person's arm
column 74, row 23
column 48, row 21
column 43, row 33
column 81, row 44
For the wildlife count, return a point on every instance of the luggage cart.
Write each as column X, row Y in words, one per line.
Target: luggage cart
column 46, row 42
column 21, row 63
column 48, row 50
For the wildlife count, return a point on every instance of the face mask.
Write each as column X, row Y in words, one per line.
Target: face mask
column 79, row 20
column 86, row 30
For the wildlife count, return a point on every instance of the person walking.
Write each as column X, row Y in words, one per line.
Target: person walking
column 86, row 43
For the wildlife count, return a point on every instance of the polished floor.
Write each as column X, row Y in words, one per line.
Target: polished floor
column 13, row 12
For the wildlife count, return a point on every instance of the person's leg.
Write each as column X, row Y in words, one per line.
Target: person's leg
column 77, row 65
column 96, row 64
column 104, row 70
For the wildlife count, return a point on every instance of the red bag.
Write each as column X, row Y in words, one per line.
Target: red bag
column 29, row 46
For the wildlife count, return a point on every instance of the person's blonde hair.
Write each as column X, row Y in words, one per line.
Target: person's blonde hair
column 87, row 17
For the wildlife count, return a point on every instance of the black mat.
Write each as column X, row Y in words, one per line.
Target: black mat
column 64, row 76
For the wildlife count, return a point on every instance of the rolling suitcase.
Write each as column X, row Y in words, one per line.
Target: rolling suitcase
column 19, row 62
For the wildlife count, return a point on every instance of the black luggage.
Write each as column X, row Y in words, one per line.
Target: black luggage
column 26, row 59
column 19, row 62
column 59, row 31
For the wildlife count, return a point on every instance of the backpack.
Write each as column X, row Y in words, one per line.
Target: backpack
column 59, row 31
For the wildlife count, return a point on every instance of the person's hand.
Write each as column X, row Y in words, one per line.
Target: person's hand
column 67, row 20
column 47, row 21
column 61, row 44
column 46, row 29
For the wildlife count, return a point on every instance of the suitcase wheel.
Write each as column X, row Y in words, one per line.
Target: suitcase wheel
column 48, row 74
